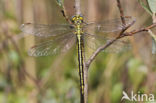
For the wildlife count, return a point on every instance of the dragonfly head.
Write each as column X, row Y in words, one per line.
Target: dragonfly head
column 77, row 19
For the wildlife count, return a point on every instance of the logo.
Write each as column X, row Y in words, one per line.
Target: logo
column 138, row 97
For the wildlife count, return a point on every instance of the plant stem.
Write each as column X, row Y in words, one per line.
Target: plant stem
column 77, row 7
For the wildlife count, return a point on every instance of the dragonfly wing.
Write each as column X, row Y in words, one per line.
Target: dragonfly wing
column 51, row 47
column 95, row 41
column 43, row 30
column 118, row 46
column 109, row 27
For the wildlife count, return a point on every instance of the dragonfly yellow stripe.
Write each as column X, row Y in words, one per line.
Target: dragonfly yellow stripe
column 78, row 20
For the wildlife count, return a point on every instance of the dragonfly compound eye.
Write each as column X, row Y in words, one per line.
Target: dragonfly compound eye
column 73, row 18
column 77, row 19
column 81, row 18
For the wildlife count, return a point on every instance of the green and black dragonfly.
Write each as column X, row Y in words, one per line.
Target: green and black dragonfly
column 61, row 37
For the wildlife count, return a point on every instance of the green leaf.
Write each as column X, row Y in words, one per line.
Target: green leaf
column 116, row 93
column 152, row 34
column 153, row 41
column 14, row 57
column 136, row 71
column 153, row 46
column 152, row 5
column 145, row 7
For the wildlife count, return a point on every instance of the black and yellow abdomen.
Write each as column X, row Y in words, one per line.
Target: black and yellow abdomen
column 81, row 66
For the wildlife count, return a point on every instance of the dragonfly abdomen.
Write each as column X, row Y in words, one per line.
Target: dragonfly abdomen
column 81, row 66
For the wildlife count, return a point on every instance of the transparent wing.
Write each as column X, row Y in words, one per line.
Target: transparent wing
column 43, row 30
column 51, row 47
column 94, row 42
column 110, row 27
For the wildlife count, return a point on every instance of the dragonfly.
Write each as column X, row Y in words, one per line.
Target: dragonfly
column 58, row 38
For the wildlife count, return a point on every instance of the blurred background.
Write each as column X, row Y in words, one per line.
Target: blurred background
column 54, row 79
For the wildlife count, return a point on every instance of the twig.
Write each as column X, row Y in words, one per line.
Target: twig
column 77, row 7
column 6, row 34
column 9, row 37
column 63, row 11
column 139, row 30
column 111, row 42
column 98, row 51
column 121, row 11
column 107, row 44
